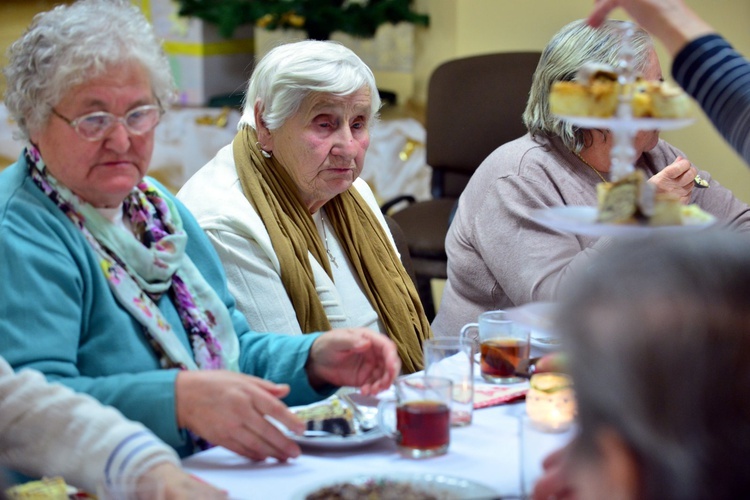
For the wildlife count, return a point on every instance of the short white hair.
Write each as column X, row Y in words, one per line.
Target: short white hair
column 287, row 74
column 71, row 44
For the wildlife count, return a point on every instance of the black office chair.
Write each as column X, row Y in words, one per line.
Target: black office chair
column 474, row 105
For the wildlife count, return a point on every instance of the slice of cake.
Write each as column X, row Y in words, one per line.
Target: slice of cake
column 594, row 93
column 632, row 200
column 329, row 416
column 624, row 201
column 667, row 211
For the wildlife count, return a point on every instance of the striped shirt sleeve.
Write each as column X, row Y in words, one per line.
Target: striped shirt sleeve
column 718, row 78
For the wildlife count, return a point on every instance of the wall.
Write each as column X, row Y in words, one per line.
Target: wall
column 15, row 15
column 465, row 27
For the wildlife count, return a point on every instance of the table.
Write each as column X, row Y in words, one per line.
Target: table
column 499, row 449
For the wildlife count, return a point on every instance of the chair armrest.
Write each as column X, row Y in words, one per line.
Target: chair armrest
column 404, row 198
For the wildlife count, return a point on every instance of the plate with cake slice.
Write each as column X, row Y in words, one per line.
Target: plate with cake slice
column 334, row 424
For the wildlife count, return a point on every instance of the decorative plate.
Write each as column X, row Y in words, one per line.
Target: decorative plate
column 439, row 485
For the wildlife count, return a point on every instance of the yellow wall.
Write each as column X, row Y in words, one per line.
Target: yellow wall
column 15, row 15
column 465, row 27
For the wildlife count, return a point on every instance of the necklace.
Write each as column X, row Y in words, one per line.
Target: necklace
column 590, row 166
column 325, row 240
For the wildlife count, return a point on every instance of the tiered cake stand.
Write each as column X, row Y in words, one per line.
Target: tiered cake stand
column 583, row 220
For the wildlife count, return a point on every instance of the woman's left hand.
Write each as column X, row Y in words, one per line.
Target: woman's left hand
column 356, row 357
column 676, row 179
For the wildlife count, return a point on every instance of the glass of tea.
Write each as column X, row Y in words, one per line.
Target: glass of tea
column 453, row 358
column 421, row 426
column 502, row 345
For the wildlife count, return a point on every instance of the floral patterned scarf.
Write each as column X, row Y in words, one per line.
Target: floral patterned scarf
column 141, row 269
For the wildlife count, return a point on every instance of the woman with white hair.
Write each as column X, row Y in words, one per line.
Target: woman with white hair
column 302, row 240
column 498, row 255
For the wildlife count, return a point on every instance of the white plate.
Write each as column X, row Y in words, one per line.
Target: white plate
column 582, row 220
column 441, row 486
column 339, row 442
column 342, row 442
column 632, row 124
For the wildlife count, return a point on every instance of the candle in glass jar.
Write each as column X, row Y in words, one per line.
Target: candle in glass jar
column 550, row 402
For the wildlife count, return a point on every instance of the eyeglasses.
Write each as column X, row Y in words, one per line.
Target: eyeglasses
column 94, row 126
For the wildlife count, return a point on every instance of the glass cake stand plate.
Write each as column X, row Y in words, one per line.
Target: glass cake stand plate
column 437, row 485
column 582, row 220
column 628, row 124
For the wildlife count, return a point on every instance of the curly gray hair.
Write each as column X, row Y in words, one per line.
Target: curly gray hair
column 574, row 45
column 289, row 73
column 70, row 44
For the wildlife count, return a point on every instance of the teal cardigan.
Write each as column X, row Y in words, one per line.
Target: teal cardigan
column 58, row 316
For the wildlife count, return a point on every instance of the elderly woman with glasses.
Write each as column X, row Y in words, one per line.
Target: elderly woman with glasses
column 110, row 285
column 300, row 235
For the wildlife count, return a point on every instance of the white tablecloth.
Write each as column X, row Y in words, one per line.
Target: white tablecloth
column 499, row 449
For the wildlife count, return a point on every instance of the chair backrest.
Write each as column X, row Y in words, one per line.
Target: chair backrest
column 402, row 244
column 474, row 105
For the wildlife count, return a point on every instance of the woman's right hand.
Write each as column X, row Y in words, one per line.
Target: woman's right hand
column 228, row 409
column 676, row 179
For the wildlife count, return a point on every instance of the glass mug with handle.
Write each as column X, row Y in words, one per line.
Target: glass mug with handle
column 421, row 425
column 502, row 345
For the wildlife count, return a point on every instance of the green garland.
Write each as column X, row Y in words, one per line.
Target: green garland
column 318, row 18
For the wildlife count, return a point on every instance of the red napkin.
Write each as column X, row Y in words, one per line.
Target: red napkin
column 491, row 395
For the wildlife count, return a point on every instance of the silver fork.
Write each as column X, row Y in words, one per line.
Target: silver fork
column 366, row 422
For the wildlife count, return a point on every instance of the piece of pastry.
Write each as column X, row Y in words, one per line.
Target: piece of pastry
column 330, row 416
column 622, row 201
column 667, row 211
column 670, row 102
column 596, row 92
column 595, row 96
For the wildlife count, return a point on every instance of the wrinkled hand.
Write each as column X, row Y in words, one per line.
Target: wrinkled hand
column 356, row 357
column 676, row 179
column 229, row 409
column 555, row 480
column 178, row 484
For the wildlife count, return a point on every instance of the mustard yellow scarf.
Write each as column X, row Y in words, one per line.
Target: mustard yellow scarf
column 270, row 189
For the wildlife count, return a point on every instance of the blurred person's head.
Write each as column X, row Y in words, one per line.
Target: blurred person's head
column 659, row 340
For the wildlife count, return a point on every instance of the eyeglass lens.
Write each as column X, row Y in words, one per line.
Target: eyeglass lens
column 138, row 121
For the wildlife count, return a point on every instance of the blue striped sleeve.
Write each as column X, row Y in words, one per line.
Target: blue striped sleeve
column 718, row 77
